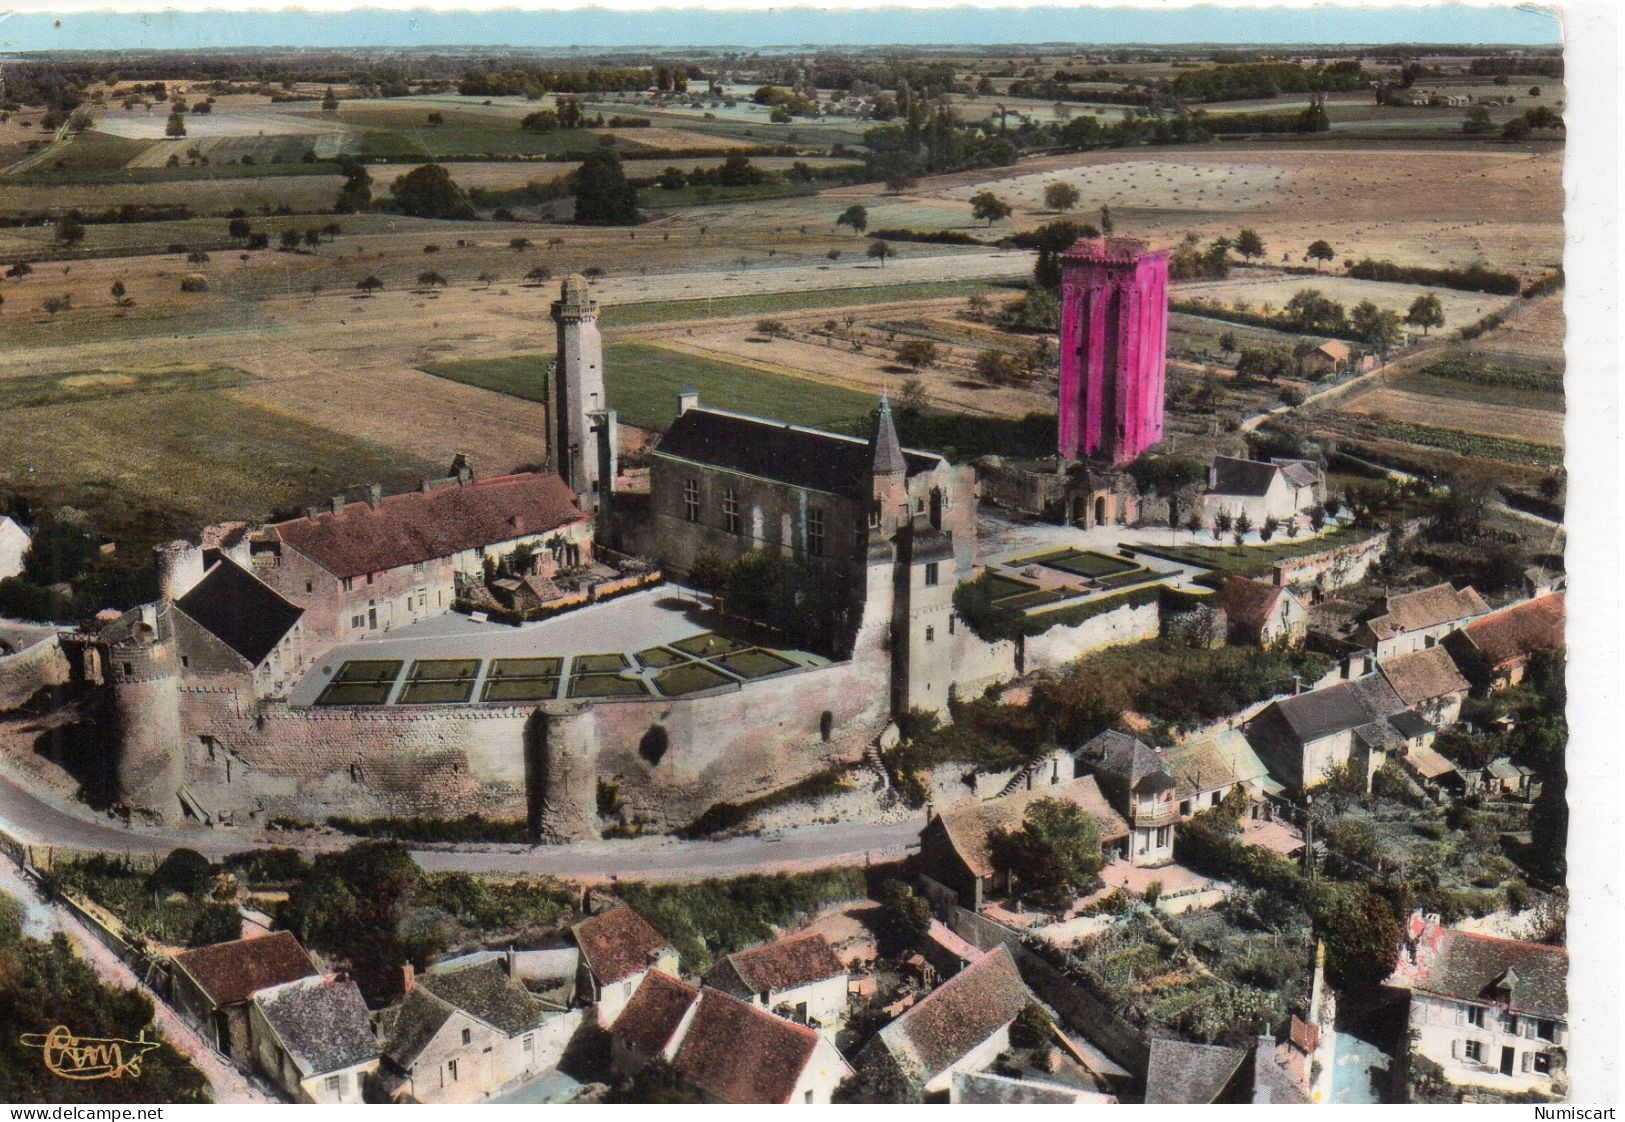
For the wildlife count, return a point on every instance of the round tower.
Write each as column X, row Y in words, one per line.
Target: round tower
column 180, row 568
column 145, row 694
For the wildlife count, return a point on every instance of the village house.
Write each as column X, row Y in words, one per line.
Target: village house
column 798, row 977
column 986, row 1088
column 465, row 1030
column 956, row 853
column 1491, row 1012
column 1305, row 738
column 312, row 1038
column 1139, row 784
column 14, row 546
column 618, row 947
column 732, row 1051
column 961, row 1026
column 1414, row 621
column 1280, row 489
column 1502, row 778
column 1428, row 682
column 1209, row 766
column 1263, row 614
column 1261, row 1073
column 1331, row 357
column 212, row 985
column 1494, row 651
column 363, row 567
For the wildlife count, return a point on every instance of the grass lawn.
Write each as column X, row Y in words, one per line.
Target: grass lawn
column 691, row 677
column 598, row 664
column 659, row 656
column 606, row 685
column 429, row 692
column 525, row 668
column 520, row 689
column 355, row 693
column 1080, row 562
column 151, row 455
column 708, row 644
column 372, row 670
column 444, row 669
column 1253, row 559
column 755, row 663
column 663, row 311
column 643, row 380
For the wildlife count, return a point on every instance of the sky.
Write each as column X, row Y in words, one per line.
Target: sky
column 759, row 28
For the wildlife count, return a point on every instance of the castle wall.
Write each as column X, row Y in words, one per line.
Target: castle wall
column 26, row 672
column 1061, row 645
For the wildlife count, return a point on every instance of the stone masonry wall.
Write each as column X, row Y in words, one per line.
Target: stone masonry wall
column 28, row 671
column 1061, row 645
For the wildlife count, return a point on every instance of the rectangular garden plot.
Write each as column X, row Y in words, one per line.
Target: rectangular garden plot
column 439, row 681
column 659, row 656
column 1000, row 587
column 355, row 693
column 754, row 663
column 708, row 645
column 525, row 668
column 368, row 670
column 691, row 677
column 522, row 679
column 1079, row 562
column 444, row 669
column 598, row 664
column 606, row 685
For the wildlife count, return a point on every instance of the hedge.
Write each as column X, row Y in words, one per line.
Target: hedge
column 1473, row 278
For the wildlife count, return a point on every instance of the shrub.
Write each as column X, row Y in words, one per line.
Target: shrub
column 194, row 282
column 185, row 871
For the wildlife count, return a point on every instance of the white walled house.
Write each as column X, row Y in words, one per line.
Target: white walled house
column 618, row 948
column 799, row 977
column 312, row 1038
column 1415, row 621
column 14, row 543
column 1280, row 489
column 1490, row 1012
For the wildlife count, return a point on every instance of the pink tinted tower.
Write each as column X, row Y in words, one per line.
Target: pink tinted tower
column 1114, row 343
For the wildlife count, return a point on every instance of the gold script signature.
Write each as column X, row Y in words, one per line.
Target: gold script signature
column 90, row 1057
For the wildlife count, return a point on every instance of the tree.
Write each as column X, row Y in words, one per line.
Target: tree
column 915, row 353
column 1227, row 342
column 1426, row 312
column 603, row 195
column 355, row 193
column 1313, row 313
column 1242, row 528
column 880, row 251
column 1320, row 250
column 1001, row 368
column 1222, row 522
column 1061, row 196
column 1268, row 363
column 1249, row 244
column 369, row 285
column 436, row 120
column 289, row 240
column 1053, row 856
column 1267, row 530
column 431, row 279
column 184, row 870
column 429, row 192
column 1032, row 1028
column 313, row 238
column 976, row 305
column 70, row 231
column 519, row 245
column 1378, row 328
column 1317, row 516
column 1477, row 121
column 330, row 101
column 905, row 914
column 55, row 304
column 988, row 206
column 1361, row 934
column 1106, row 220
column 539, row 275
column 176, row 126
column 855, row 216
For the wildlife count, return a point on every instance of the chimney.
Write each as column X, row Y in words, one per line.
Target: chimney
column 1212, row 477
column 336, row 503
column 687, row 398
column 311, row 512
column 409, row 977
column 375, row 495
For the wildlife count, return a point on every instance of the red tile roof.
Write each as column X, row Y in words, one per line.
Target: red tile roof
column 1428, row 607
column 797, row 960
column 1423, row 675
column 1249, row 602
column 619, row 943
column 741, row 1054
column 1517, row 632
column 650, row 1018
column 230, row 973
column 420, row 526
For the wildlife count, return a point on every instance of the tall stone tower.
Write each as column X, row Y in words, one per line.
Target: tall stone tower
column 584, row 437
column 1114, row 344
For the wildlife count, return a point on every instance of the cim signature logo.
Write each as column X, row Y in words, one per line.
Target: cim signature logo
column 90, row 1057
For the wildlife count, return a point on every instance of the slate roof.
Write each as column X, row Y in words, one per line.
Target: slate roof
column 618, row 943
column 1502, row 767
column 984, row 1088
column 240, row 610
column 1181, row 1072
column 967, row 827
column 1218, row 759
column 1428, row 607
column 1519, row 631
column 405, row 1028
column 1127, row 757
column 958, row 1015
column 801, row 457
column 796, row 960
column 322, row 1022
column 1410, row 724
column 1249, row 602
column 1273, row 1083
column 1466, row 966
column 1233, row 476
column 484, row 991
column 741, row 1054
column 1299, row 473
column 1338, row 708
column 1422, row 675
column 229, row 973
column 420, row 525
column 650, row 1018
column 886, row 457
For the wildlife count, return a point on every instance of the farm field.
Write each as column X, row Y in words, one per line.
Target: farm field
column 1260, row 289
column 1538, row 426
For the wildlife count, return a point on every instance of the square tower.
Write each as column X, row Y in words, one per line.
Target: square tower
column 1114, row 345
column 584, row 425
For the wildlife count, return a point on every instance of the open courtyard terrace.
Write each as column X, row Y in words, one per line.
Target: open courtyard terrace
column 662, row 642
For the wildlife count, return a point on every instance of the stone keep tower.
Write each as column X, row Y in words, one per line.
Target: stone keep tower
column 1114, row 343
column 584, row 437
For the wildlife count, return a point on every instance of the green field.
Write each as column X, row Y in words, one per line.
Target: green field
column 664, row 311
column 643, row 381
column 150, row 456
column 1080, row 562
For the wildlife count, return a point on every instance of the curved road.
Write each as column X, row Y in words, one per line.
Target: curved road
column 34, row 821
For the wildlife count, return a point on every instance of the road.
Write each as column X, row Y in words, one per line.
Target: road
column 43, row 919
column 34, row 821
